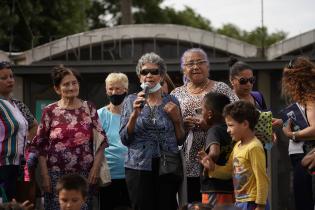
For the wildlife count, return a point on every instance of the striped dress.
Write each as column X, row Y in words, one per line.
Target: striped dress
column 13, row 131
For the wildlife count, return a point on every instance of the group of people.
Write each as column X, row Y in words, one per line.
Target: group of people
column 166, row 146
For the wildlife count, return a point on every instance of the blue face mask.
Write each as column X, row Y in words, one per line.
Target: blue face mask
column 153, row 89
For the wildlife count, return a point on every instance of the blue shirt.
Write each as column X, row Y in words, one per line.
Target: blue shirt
column 149, row 135
column 116, row 151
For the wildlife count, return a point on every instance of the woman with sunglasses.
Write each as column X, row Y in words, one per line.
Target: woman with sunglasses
column 195, row 66
column 242, row 80
column 17, row 126
column 151, row 123
column 298, row 84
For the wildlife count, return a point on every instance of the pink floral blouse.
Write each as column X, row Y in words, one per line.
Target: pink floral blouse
column 65, row 137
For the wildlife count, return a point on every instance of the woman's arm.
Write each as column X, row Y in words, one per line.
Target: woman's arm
column 32, row 130
column 94, row 174
column 130, row 112
column 174, row 113
column 46, row 184
column 307, row 133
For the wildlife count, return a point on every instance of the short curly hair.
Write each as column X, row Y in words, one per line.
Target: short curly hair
column 241, row 111
column 151, row 58
column 298, row 80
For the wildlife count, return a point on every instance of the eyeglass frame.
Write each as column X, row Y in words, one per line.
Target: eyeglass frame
column 198, row 63
column 5, row 65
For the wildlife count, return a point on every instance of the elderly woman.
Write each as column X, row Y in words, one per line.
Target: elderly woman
column 195, row 66
column 64, row 140
column 298, row 83
column 17, row 125
column 151, row 126
column 116, row 194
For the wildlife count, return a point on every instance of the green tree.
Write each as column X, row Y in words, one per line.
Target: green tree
column 145, row 12
column 259, row 36
column 188, row 17
column 33, row 22
column 231, row 30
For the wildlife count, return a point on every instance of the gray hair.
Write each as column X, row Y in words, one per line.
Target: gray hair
column 193, row 50
column 151, row 58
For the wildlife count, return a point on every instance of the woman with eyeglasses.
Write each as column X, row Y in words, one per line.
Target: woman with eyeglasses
column 298, row 84
column 151, row 126
column 17, row 126
column 195, row 66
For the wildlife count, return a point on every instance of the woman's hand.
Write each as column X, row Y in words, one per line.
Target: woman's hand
column 94, row 175
column 276, row 122
column 309, row 160
column 287, row 129
column 172, row 110
column 46, row 184
column 138, row 103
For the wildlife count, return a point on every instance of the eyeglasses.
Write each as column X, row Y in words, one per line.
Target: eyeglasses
column 5, row 65
column 244, row 81
column 145, row 72
column 197, row 63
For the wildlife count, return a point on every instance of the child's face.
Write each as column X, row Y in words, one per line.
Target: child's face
column 71, row 199
column 234, row 128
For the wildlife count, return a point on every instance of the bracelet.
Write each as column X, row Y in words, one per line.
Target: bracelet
column 293, row 135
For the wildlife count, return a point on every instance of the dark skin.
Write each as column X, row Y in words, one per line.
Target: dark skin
column 210, row 118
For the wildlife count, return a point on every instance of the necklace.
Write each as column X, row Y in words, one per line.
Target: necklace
column 152, row 114
column 202, row 88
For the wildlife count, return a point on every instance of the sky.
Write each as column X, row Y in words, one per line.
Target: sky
column 291, row 16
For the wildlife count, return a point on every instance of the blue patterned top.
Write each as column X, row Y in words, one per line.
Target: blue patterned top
column 154, row 129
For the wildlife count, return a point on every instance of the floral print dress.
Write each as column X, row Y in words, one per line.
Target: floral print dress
column 188, row 104
column 64, row 136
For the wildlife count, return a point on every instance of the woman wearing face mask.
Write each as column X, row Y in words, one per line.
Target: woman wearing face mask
column 116, row 86
column 151, row 124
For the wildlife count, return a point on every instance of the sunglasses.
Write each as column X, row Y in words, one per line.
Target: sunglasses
column 5, row 65
column 244, row 81
column 145, row 72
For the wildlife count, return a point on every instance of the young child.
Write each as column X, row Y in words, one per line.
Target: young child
column 218, row 147
column 72, row 192
column 247, row 162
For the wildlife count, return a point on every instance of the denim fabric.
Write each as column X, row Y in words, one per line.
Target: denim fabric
column 147, row 139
